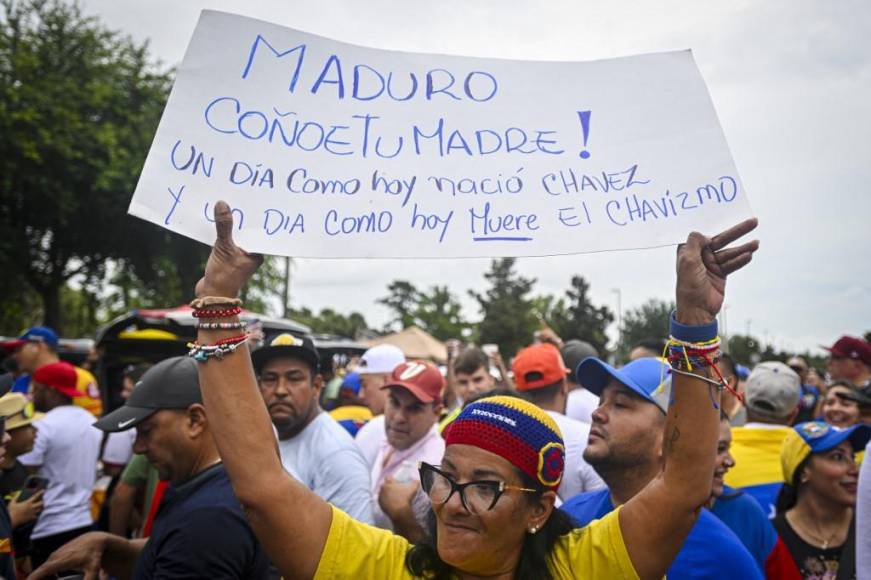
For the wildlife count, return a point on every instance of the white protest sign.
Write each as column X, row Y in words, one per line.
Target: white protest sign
column 326, row 149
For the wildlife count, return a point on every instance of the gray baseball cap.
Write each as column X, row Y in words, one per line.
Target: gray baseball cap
column 575, row 351
column 773, row 390
column 170, row 384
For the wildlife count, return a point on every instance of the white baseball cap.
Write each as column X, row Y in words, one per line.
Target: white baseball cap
column 380, row 359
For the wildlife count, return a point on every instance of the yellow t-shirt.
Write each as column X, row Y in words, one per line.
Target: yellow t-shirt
column 355, row 550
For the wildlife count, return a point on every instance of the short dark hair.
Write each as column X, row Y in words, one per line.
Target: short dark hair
column 656, row 345
column 545, row 393
column 470, row 360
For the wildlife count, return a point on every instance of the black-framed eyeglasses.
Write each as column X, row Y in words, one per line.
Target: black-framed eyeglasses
column 2, row 426
column 476, row 496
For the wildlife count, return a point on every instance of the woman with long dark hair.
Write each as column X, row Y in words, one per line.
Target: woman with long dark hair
column 815, row 508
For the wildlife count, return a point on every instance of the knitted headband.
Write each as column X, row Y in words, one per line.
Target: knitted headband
column 515, row 430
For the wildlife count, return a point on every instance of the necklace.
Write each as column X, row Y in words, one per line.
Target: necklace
column 815, row 535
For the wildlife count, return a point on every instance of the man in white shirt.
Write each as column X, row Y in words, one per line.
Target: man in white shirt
column 65, row 453
column 414, row 404
column 540, row 375
column 314, row 448
column 374, row 369
column 581, row 402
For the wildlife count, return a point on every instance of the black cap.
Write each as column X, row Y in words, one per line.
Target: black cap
column 287, row 345
column 170, row 384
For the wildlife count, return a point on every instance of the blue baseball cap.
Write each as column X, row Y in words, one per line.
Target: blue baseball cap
column 351, row 383
column 649, row 378
column 818, row 437
column 33, row 334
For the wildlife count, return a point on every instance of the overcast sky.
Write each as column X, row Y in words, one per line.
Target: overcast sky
column 791, row 81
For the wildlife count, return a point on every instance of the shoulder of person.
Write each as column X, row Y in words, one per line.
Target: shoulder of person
column 581, row 506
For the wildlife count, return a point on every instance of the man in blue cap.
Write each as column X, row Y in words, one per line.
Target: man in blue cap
column 626, row 449
column 38, row 346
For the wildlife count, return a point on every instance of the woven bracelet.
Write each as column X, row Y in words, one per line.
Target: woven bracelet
column 212, row 301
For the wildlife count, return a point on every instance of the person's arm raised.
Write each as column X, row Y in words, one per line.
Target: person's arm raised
column 290, row 521
column 655, row 522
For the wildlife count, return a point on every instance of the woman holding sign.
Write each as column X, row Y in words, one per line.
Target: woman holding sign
column 493, row 494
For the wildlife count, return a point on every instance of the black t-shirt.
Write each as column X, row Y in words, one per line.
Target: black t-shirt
column 12, row 480
column 813, row 563
column 7, row 563
column 200, row 531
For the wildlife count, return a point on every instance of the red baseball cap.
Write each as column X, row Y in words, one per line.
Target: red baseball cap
column 536, row 366
column 60, row 376
column 851, row 347
column 421, row 379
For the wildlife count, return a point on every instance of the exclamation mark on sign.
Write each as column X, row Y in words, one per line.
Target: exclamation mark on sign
column 584, row 117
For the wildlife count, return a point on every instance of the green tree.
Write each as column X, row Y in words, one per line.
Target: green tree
column 436, row 311
column 440, row 313
column 580, row 318
column 402, row 300
column 78, row 109
column 745, row 349
column 648, row 321
column 329, row 321
column 507, row 309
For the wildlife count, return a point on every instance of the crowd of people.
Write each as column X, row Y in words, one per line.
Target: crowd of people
column 229, row 464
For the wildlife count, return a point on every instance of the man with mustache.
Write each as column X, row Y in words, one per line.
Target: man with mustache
column 314, row 448
column 626, row 448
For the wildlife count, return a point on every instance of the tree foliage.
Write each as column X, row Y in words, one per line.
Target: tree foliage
column 648, row 321
column 508, row 317
column 328, row 321
column 78, row 108
column 436, row 311
column 575, row 315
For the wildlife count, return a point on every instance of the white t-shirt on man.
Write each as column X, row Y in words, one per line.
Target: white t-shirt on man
column 581, row 404
column 119, row 447
column 324, row 458
column 579, row 476
column 67, row 448
column 371, row 438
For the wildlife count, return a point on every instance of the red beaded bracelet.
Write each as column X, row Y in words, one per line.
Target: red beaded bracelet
column 217, row 312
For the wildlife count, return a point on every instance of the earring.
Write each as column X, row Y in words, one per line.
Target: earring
column 533, row 529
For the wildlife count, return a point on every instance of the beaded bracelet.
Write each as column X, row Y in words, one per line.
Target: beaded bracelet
column 222, row 325
column 203, row 352
column 217, row 312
